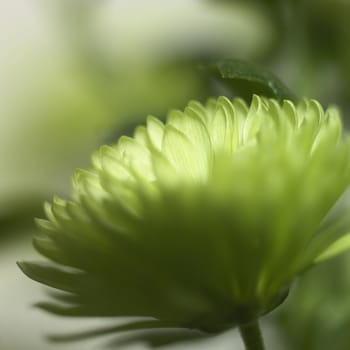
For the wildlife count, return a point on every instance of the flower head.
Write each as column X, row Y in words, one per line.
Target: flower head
column 200, row 222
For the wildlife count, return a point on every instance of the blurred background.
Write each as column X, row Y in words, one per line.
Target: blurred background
column 75, row 74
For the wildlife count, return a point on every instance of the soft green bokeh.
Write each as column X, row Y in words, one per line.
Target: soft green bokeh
column 317, row 315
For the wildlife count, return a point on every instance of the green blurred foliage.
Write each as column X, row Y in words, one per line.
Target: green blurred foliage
column 311, row 46
column 317, row 313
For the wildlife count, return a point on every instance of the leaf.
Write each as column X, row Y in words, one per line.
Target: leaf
column 338, row 247
column 249, row 78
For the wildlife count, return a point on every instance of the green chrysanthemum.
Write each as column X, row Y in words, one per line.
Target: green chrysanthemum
column 201, row 222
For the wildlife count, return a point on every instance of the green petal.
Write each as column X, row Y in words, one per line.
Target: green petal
column 222, row 135
column 338, row 247
column 188, row 160
column 155, row 130
column 51, row 276
column 137, row 325
column 156, row 339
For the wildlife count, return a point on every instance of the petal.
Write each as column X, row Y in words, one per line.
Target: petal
column 189, row 162
column 155, row 130
column 338, row 247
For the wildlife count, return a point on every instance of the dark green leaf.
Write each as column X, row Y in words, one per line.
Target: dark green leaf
column 247, row 78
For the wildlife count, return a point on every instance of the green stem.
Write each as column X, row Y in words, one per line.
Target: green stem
column 251, row 336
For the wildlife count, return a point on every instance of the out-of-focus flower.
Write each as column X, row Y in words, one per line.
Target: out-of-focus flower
column 201, row 222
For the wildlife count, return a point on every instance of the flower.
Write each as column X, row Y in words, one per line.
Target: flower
column 202, row 222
